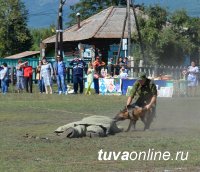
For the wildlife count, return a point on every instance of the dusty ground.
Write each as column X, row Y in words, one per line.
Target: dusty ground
column 176, row 128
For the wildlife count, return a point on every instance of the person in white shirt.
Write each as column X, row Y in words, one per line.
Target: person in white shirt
column 192, row 79
column 47, row 73
column 4, row 76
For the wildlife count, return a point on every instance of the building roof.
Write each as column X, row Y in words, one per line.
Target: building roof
column 23, row 54
column 106, row 24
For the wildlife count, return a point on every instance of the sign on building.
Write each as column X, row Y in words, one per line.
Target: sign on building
column 124, row 44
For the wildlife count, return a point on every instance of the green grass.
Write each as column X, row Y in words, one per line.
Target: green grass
column 176, row 128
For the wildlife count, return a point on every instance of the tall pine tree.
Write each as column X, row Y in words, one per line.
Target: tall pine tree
column 15, row 36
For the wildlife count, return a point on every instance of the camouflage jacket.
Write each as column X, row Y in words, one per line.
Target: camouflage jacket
column 142, row 94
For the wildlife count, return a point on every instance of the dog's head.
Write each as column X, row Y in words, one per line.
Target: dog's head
column 129, row 112
column 122, row 115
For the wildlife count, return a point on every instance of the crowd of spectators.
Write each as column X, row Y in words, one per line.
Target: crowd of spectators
column 113, row 69
column 46, row 73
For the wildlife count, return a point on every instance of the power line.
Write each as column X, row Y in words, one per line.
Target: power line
column 46, row 12
column 41, row 14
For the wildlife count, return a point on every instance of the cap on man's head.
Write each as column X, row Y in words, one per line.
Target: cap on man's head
column 142, row 75
column 97, row 57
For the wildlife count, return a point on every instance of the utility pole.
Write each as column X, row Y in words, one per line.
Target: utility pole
column 129, row 39
column 59, row 31
column 129, row 28
column 139, row 33
column 57, row 34
column 122, row 36
column 61, row 28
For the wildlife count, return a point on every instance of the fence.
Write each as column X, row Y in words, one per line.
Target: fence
column 157, row 71
column 69, row 75
column 175, row 72
column 152, row 71
column 13, row 62
column 31, row 61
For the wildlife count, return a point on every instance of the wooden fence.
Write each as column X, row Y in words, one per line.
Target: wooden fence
column 151, row 71
column 157, row 71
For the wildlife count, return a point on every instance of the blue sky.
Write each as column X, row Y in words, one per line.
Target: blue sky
column 43, row 13
column 191, row 6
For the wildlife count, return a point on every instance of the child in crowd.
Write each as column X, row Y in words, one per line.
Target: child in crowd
column 123, row 73
column 90, row 76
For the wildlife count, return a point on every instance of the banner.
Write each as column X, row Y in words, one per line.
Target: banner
column 110, row 86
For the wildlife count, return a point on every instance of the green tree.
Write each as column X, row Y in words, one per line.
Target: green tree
column 188, row 30
column 167, row 38
column 41, row 34
column 15, row 36
column 150, row 28
column 88, row 8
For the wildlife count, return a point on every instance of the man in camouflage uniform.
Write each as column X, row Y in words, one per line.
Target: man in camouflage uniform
column 144, row 93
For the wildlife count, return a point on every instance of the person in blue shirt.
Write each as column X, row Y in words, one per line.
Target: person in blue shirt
column 60, row 72
column 78, row 68
column 20, row 76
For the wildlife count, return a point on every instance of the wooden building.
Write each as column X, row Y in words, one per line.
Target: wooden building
column 102, row 31
column 31, row 56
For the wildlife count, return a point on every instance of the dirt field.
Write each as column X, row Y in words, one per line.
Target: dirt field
column 176, row 128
